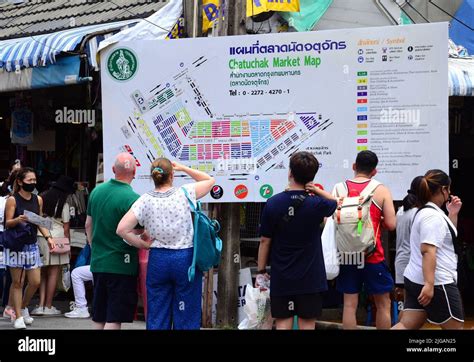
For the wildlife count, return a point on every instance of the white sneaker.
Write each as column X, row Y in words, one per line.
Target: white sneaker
column 19, row 323
column 51, row 311
column 78, row 313
column 37, row 311
column 26, row 316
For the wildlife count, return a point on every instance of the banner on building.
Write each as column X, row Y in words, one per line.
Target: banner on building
column 210, row 12
column 238, row 107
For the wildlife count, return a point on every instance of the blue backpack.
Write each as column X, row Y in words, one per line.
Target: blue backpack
column 84, row 257
column 207, row 244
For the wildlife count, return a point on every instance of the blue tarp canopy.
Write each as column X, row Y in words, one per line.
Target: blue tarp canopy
column 64, row 72
column 459, row 32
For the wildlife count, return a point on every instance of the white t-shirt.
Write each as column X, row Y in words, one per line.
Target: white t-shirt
column 429, row 227
column 167, row 217
column 404, row 222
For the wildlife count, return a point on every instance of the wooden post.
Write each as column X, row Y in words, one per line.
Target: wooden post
column 233, row 22
column 236, row 18
column 227, row 288
column 193, row 29
column 192, row 17
column 207, row 299
column 208, row 290
column 229, row 23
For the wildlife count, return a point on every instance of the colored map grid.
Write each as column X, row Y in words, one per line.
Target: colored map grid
column 202, row 143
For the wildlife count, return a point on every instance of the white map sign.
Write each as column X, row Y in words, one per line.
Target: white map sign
column 238, row 107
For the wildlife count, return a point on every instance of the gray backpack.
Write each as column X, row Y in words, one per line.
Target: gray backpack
column 354, row 228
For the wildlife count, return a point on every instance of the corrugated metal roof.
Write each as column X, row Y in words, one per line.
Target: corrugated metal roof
column 41, row 16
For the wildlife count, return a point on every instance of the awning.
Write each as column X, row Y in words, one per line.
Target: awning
column 460, row 29
column 461, row 76
column 41, row 50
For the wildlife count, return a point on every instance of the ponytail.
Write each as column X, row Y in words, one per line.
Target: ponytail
column 410, row 201
column 424, row 194
column 430, row 185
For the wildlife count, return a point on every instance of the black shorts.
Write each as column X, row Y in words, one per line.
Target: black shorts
column 115, row 298
column 446, row 302
column 306, row 306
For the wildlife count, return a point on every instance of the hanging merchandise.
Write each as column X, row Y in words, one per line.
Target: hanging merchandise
column 22, row 127
column 310, row 13
column 255, row 7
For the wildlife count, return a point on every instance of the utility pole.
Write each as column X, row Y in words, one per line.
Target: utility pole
column 237, row 17
column 192, row 17
column 193, row 29
column 231, row 22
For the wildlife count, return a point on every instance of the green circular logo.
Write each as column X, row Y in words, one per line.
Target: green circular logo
column 122, row 64
column 266, row 191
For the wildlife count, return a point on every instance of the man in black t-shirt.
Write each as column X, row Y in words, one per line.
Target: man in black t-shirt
column 291, row 236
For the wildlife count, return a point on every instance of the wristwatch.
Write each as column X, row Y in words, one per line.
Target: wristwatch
column 262, row 271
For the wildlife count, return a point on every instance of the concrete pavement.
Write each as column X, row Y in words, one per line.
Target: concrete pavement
column 61, row 322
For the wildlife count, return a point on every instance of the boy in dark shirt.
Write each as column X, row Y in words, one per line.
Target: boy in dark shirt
column 291, row 236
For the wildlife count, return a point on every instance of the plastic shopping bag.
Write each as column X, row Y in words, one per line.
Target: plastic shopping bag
column 257, row 309
column 328, row 240
column 64, row 278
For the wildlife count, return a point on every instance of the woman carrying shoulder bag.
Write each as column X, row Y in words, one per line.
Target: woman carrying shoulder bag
column 431, row 292
column 173, row 301
column 26, row 261
column 56, row 208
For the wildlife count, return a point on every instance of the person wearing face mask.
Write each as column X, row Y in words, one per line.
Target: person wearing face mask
column 431, row 291
column 26, row 262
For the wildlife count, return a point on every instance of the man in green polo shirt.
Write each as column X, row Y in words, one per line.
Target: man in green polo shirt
column 114, row 263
